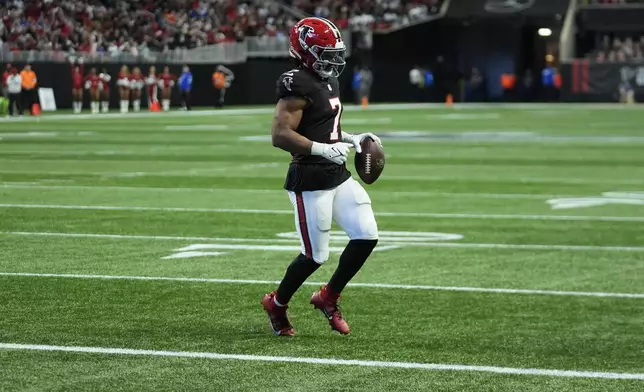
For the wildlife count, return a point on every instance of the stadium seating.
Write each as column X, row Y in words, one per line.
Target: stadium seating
column 124, row 26
column 618, row 50
column 114, row 27
column 376, row 14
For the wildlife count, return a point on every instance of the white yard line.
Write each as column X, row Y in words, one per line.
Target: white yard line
column 146, row 237
column 523, row 246
column 560, row 107
column 15, row 185
column 197, row 127
column 388, row 243
column 366, row 120
column 156, row 189
column 161, row 209
column 277, row 174
column 327, row 361
column 588, row 218
column 523, row 180
column 266, row 247
column 365, row 285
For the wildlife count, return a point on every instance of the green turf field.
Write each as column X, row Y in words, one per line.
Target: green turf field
column 134, row 251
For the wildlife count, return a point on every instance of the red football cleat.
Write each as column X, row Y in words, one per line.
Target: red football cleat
column 327, row 302
column 277, row 316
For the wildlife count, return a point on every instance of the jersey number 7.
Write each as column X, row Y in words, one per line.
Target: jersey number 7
column 335, row 104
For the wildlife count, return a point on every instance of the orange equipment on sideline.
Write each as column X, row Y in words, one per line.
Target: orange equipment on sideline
column 508, row 81
column 219, row 80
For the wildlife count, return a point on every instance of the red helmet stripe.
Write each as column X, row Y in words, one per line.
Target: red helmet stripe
column 335, row 30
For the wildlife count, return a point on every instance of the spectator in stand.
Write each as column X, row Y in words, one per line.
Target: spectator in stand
column 118, row 26
column 619, row 51
column 115, row 27
column 376, row 14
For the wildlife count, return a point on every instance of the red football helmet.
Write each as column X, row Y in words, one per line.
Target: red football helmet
column 318, row 45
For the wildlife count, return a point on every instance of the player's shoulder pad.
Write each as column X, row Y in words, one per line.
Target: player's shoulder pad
column 294, row 83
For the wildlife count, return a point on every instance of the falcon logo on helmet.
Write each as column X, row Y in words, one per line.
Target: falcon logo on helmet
column 318, row 45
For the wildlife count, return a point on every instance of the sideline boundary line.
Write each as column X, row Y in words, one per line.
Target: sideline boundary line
column 563, row 107
column 327, row 361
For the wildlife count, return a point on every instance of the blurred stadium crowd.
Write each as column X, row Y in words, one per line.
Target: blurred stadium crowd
column 619, row 50
column 618, row 47
column 136, row 27
column 608, row 2
column 376, row 14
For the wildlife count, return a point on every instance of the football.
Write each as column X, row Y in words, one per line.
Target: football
column 371, row 162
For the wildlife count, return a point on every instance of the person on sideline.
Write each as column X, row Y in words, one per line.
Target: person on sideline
column 14, row 88
column 5, row 75
column 185, row 86
column 222, row 78
column 29, row 91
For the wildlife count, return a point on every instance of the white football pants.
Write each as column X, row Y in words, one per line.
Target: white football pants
column 348, row 205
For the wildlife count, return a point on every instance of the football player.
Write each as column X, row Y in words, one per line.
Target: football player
column 307, row 124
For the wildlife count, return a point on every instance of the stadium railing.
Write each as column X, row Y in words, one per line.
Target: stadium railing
column 220, row 53
column 267, row 46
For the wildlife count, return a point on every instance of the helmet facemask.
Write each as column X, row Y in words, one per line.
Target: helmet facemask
column 329, row 62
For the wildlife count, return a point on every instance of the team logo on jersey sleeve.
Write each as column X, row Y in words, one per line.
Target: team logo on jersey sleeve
column 287, row 82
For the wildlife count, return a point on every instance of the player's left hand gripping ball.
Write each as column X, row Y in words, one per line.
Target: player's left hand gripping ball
column 370, row 158
column 357, row 140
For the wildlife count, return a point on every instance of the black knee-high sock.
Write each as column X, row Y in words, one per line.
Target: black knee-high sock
column 296, row 273
column 351, row 260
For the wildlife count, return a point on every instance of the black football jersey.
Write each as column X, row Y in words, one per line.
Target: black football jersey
column 320, row 123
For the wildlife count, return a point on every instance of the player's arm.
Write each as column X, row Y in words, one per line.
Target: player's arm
column 288, row 115
column 229, row 73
